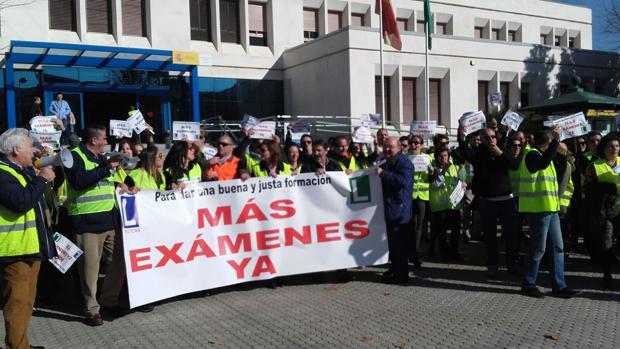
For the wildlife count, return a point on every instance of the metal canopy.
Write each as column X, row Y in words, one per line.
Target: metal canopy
column 77, row 55
column 576, row 99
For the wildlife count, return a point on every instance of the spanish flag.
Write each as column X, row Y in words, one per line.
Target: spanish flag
column 391, row 34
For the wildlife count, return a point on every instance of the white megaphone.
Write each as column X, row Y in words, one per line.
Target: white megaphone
column 64, row 158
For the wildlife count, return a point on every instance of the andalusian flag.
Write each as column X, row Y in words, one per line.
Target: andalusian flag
column 391, row 34
column 428, row 22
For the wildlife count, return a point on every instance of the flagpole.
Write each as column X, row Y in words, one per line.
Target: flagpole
column 427, row 103
column 381, row 63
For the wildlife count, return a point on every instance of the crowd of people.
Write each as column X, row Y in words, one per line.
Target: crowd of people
column 512, row 178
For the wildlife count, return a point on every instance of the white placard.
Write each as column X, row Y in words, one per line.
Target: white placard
column 51, row 140
column 370, row 120
column 495, row 99
column 574, row 125
column 363, row 135
column 67, row 251
column 223, row 233
column 44, row 124
column 264, row 130
column 185, row 131
column 424, row 129
column 120, row 128
column 249, row 121
column 512, row 119
column 301, row 126
column 473, row 122
column 209, row 151
column 457, row 194
column 420, row 162
column 136, row 122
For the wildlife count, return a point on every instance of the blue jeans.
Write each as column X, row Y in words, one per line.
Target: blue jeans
column 544, row 228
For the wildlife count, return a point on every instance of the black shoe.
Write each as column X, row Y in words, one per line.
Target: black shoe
column 147, row 308
column 393, row 280
column 566, row 293
column 37, row 347
column 388, row 273
column 94, row 320
column 533, row 292
column 114, row 312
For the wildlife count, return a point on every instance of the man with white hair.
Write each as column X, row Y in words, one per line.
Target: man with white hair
column 24, row 236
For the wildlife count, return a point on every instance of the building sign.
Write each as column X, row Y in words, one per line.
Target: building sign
column 185, row 57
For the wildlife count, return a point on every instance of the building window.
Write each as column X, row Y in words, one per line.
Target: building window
column 409, row 105
column 512, row 35
column 543, row 39
column 229, row 21
column 434, row 91
column 420, row 27
column 402, row 24
column 134, row 17
column 495, row 34
column 311, row 24
column 386, row 99
column 441, row 28
column 357, row 19
column 99, row 16
column 557, row 41
column 62, row 15
column 258, row 30
column 504, row 88
column 479, row 32
column 334, row 21
column 200, row 19
column 571, row 42
column 483, row 92
column 525, row 94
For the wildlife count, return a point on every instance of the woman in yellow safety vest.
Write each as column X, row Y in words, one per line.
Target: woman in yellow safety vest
column 419, row 198
column 445, row 215
column 293, row 156
column 181, row 167
column 602, row 202
column 271, row 163
column 148, row 174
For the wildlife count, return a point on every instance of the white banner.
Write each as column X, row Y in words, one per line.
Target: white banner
column 457, row 194
column 574, row 125
column 264, row 130
column 185, row 131
column 221, row 233
column 363, row 135
column 425, row 129
column 473, row 122
column 51, row 140
column 44, row 124
column 68, row 253
column 420, row 162
column 512, row 119
column 136, row 122
column 120, row 128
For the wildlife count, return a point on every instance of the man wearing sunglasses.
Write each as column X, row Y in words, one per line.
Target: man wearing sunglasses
column 492, row 188
column 225, row 165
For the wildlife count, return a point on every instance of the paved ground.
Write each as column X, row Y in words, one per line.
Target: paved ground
column 445, row 306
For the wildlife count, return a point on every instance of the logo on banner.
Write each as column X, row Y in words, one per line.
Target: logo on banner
column 130, row 212
column 360, row 190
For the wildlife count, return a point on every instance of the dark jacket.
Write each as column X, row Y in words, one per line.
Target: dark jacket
column 18, row 199
column 491, row 178
column 397, row 182
column 80, row 179
column 313, row 165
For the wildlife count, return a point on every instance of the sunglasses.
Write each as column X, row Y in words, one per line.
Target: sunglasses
column 415, row 143
column 404, row 145
column 445, row 143
column 222, row 144
column 581, row 143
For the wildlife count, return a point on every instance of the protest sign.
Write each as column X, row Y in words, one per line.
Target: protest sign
column 512, row 119
column 264, row 130
column 136, row 122
column 425, row 129
column 67, row 251
column 370, row 120
column 457, row 194
column 185, row 131
column 363, row 135
column 209, row 151
column 473, row 122
column 120, row 128
column 420, row 162
column 51, row 140
column 249, row 121
column 44, row 124
column 223, row 233
column 301, row 126
column 495, row 99
column 574, row 125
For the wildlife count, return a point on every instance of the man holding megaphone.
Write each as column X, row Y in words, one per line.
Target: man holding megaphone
column 24, row 235
column 93, row 215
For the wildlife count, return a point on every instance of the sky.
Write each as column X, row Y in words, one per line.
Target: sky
column 600, row 40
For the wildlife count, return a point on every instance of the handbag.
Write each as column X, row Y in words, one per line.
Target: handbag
column 71, row 119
